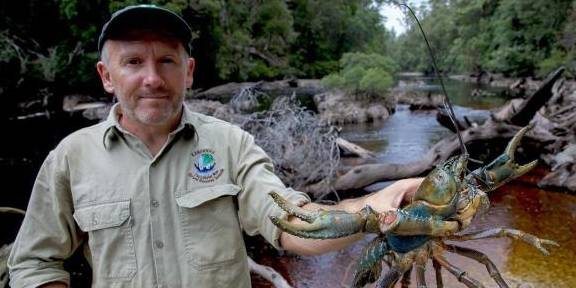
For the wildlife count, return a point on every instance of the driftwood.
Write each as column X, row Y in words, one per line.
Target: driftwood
column 527, row 110
column 444, row 120
column 504, row 126
column 558, row 123
column 224, row 93
column 5, row 249
column 4, row 253
column 269, row 274
column 348, row 148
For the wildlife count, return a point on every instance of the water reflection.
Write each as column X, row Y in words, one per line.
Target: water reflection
column 461, row 93
column 406, row 135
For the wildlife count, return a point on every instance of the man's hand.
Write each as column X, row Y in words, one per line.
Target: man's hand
column 386, row 199
column 393, row 196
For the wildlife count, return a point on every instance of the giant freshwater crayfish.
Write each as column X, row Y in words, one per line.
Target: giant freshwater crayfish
column 443, row 205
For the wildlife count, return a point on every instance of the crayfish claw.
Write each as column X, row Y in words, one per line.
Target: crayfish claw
column 320, row 224
column 511, row 149
column 293, row 210
column 539, row 244
column 513, row 144
column 503, row 168
column 305, row 230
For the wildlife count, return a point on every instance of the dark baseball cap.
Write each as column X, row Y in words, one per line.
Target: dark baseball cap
column 145, row 17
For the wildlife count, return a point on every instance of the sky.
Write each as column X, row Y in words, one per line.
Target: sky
column 395, row 16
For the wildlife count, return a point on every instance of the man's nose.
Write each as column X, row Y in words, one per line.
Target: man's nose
column 153, row 77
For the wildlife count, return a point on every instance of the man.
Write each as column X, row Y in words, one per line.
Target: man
column 158, row 196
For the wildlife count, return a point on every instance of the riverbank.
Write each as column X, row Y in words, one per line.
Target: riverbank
column 333, row 106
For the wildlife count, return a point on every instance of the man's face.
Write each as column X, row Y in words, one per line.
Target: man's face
column 149, row 75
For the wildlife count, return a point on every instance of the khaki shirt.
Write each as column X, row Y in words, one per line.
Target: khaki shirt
column 173, row 220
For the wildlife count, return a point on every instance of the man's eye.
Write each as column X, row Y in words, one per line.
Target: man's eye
column 134, row 61
column 167, row 61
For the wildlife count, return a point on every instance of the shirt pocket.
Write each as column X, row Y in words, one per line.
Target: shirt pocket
column 110, row 239
column 210, row 226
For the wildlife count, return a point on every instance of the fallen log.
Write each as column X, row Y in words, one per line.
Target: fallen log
column 5, row 249
column 4, row 253
column 529, row 107
column 364, row 175
column 350, row 149
column 269, row 274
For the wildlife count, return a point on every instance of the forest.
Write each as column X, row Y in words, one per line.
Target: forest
column 51, row 45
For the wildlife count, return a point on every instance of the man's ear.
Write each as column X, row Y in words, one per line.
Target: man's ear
column 105, row 77
column 190, row 73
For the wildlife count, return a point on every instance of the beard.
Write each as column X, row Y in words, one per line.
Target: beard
column 154, row 112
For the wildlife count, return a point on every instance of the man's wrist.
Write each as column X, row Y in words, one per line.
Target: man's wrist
column 56, row 284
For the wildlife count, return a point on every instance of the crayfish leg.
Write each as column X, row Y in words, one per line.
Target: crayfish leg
column 402, row 263
column 462, row 276
column 480, row 258
column 438, row 273
column 369, row 266
column 405, row 282
column 390, row 278
column 422, row 256
column 507, row 232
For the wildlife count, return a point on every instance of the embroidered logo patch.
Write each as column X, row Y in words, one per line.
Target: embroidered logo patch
column 205, row 168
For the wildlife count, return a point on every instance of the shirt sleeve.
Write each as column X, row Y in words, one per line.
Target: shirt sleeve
column 256, row 176
column 48, row 235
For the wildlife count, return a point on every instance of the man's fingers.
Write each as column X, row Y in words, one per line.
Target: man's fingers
column 411, row 186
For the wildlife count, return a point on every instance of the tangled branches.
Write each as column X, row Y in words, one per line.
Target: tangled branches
column 248, row 99
column 303, row 149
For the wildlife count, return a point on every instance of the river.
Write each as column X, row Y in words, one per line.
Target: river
column 406, row 136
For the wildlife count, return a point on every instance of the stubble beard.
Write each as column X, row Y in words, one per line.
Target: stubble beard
column 154, row 116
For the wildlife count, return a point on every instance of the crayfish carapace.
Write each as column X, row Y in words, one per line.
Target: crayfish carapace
column 443, row 205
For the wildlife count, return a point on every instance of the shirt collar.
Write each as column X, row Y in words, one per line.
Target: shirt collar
column 113, row 131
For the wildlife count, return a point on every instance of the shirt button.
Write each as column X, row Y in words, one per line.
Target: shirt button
column 155, row 203
column 159, row 244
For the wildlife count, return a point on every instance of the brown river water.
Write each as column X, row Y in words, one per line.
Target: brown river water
column 519, row 205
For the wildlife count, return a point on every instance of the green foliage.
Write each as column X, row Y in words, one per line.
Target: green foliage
column 557, row 58
column 376, row 82
column 333, row 80
column 514, row 37
column 54, row 43
column 254, row 34
column 367, row 61
column 364, row 75
column 11, row 53
column 328, row 29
